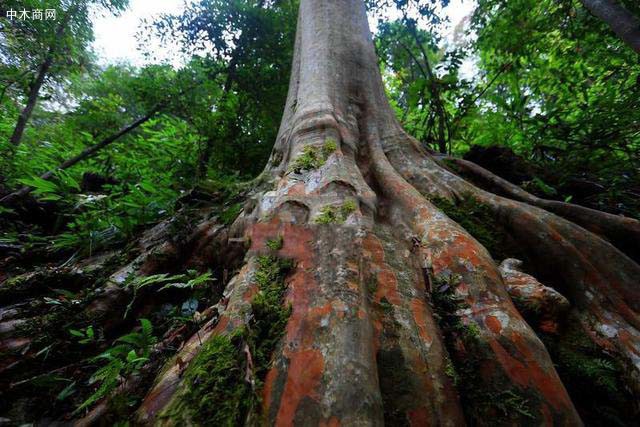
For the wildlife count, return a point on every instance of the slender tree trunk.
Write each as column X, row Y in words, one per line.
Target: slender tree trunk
column 38, row 81
column 32, row 99
column 393, row 314
column 621, row 21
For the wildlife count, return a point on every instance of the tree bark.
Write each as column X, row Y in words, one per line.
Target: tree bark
column 342, row 351
column 396, row 314
column 621, row 21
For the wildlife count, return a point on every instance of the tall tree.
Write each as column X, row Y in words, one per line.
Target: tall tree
column 44, row 48
column 358, row 301
column 362, row 344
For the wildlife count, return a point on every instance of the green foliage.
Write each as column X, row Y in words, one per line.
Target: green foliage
column 567, row 99
column 581, row 359
column 129, row 354
column 329, row 146
column 231, row 213
column 216, row 391
column 275, row 244
column 539, row 185
column 191, row 280
column 309, row 159
column 246, row 50
column 594, row 377
column 313, row 157
column 28, row 43
column 85, row 336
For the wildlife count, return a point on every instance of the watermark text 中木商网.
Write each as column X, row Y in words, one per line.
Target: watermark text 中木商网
column 35, row 14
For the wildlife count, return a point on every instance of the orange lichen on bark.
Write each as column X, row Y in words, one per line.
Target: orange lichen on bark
column 304, row 373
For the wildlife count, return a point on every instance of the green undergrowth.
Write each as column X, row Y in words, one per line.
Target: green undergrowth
column 191, row 280
column 216, row 390
column 479, row 221
column 336, row 214
column 313, row 157
column 128, row 354
column 504, row 404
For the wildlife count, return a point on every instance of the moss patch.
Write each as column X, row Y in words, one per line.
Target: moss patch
column 230, row 214
column 314, row 157
column 336, row 214
column 275, row 244
column 216, row 391
column 329, row 146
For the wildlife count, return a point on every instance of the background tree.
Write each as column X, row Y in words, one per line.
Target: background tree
column 247, row 46
column 36, row 51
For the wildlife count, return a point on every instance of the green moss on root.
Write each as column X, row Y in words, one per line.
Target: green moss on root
column 330, row 145
column 336, row 214
column 314, row 157
column 231, row 213
column 216, row 392
column 275, row 244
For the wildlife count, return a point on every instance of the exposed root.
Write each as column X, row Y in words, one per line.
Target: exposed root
column 513, row 355
column 537, row 303
column 605, row 292
column 622, row 232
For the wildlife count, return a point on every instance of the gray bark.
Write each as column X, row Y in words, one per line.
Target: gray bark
column 621, row 21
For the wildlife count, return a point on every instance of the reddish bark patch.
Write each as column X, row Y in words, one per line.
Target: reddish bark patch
column 332, row 422
column 532, row 375
column 303, row 376
column 493, row 323
column 419, row 417
column 387, row 287
column 419, row 310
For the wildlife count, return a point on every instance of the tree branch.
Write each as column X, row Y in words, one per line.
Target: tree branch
column 622, row 22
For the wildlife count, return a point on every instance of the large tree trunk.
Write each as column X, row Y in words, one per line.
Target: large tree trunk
column 398, row 316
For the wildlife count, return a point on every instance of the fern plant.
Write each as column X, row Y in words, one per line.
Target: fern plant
column 126, row 357
column 181, row 281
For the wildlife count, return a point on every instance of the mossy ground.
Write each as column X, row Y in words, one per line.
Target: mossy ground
column 216, row 391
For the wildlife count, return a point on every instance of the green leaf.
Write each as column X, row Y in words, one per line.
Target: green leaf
column 66, row 392
column 76, row 333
